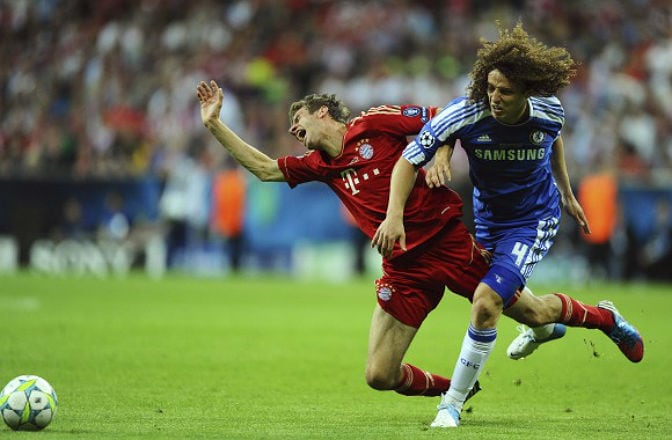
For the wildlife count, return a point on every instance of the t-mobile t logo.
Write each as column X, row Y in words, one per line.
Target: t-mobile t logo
column 351, row 178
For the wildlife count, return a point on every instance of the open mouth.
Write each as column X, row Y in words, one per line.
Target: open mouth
column 497, row 110
column 301, row 135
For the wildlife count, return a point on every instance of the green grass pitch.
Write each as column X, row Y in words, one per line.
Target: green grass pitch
column 274, row 358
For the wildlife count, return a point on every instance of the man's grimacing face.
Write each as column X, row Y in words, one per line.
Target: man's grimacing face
column 508, row 103
column 304, row 127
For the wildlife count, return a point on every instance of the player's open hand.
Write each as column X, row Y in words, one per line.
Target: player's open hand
column 574, row 209
column 388, row 233
column 211, row 97
column 439, row 173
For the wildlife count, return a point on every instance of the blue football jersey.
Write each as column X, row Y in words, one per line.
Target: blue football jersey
column 509, row 165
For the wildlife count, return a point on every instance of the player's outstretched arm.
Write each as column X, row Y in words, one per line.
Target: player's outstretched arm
column 258, row 163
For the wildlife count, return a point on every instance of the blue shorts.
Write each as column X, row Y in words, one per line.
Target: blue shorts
column 516, row 250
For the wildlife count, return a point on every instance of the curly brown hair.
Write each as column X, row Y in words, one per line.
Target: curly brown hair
column 314, row 102
column 538, row 69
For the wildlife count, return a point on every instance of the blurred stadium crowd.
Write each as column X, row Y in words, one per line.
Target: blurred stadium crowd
column 106, row 89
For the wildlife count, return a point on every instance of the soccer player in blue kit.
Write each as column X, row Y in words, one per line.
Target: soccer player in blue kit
column 509, row 125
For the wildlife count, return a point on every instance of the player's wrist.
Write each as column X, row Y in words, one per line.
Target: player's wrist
column 395, row 215
column 212, row 123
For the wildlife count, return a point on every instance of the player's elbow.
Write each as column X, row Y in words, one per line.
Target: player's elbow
column 271, row 177
column 268, row 173
column 264, row 177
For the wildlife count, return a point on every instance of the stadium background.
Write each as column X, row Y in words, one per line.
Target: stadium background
column 105, row 165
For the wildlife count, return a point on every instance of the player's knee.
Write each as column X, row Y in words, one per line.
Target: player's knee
column 484, row 316
column 486, row 309
column 380, row 379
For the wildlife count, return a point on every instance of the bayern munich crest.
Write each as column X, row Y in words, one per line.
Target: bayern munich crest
column 366, row 151
column 384, row 290
column 384, row 293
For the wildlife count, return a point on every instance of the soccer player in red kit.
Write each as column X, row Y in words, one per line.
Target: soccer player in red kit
column 355, row 159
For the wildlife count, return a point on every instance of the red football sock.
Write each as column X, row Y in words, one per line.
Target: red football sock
column 577, row 314
column 416, row 382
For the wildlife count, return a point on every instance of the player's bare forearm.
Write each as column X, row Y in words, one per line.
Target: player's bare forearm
column 258, row 163
column 401, row 184
column 559, row 168
column 439, row 173
column 391, row 230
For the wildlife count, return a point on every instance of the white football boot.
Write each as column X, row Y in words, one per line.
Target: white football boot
column 526, row 342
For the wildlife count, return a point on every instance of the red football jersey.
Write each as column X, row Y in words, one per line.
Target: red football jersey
column 360, row 176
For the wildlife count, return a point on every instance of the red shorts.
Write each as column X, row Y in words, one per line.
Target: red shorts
column 413, row 284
